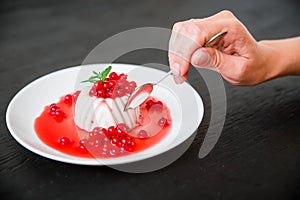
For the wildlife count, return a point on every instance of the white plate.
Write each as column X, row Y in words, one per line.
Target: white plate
column 183, row 101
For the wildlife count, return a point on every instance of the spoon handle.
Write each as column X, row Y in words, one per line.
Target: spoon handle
column 163, row 78
column 215, row 39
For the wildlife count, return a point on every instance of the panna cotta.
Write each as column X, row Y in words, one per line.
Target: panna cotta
column 92, row 112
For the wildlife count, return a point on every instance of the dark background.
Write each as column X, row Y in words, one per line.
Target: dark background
column 257, row 156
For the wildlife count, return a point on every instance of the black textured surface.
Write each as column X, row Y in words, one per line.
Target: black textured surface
column 257, row 156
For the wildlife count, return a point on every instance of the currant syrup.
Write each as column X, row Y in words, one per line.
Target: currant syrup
column 56, row 128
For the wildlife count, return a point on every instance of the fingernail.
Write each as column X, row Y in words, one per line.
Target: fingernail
column 179, row 79
column 202, row 58
column 177, row 74
column 176, row 69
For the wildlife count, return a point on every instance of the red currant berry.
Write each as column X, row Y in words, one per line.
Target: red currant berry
column 123, row 127
column 64, row 141
column 113, row 76
column 119, row 92
column 59, row 115
column 53, row 105
column 98, row 85
column 122, row 143
column 104, row 150
column 127, row 89
column 101, row 93
column 97, row 129
column 100, row 131
column 111, row 130
column 122, row 77
column 163, row 122
column 110, row 94
column 149, row 103
column 120, row 133
column 93, row 134
column 97, row 142
column 120, row 85
column 130, row 146
column 112, row 84
column 68, row 99
column 53, row 109
column 105, row 85
column 114, row 151
column 93, row 92
column 132, row 84
column 106, row 140
column 83, row 144
column 114, row 141
column 142, row 134
column 125, row 140
column 52, row 112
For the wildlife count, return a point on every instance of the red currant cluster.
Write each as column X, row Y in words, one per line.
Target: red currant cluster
column 113, row 86
column 112, row 141
column 56, row 112
column 120, row 138
column 105, row 142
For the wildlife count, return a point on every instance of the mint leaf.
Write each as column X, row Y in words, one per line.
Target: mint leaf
column 98, row 76
column 105, row 73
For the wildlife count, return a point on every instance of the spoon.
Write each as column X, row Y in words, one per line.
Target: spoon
column 141, row 93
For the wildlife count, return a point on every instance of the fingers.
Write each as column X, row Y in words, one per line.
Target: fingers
column 182, row 44
column 179, row 67
column 189, row 36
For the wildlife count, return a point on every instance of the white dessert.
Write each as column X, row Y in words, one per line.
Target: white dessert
column 91, row 112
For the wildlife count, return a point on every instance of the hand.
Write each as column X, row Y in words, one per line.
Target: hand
column 238, row 57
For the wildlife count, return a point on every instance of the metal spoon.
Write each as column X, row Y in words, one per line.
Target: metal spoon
column 141, row 93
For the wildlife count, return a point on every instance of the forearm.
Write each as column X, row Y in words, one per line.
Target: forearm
column 281, row 57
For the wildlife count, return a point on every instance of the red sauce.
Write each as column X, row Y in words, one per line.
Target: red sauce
column 51, row 131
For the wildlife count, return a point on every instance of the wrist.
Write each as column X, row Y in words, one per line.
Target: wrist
column 280, row 57
column 271, row 61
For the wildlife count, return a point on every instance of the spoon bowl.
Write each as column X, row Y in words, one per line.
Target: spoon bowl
column 139, row 95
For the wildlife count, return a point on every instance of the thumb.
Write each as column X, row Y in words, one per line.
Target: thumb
column 206, row 58
column 229, row 66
